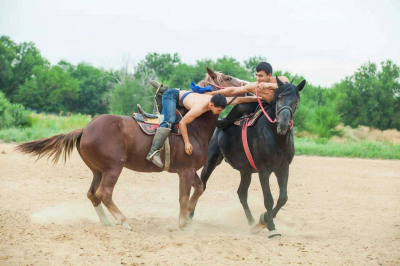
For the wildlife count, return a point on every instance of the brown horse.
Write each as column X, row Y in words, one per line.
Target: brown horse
column 110, row 142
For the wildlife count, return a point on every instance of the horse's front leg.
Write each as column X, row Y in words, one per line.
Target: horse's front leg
column 282, row 176
column 266, row 219
column 186, row 178
column 197, row 192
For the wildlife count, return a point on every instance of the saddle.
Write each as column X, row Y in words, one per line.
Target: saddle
column 147, row 118
column 250, row 119
column 150, row 122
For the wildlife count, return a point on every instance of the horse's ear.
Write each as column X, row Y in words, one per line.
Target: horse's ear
column 211, row 73
column 280, row 83
column 301, row 85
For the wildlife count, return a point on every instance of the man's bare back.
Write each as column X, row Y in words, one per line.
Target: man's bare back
column 193, row 99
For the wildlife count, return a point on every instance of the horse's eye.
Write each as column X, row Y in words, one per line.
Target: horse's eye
column 229, row 79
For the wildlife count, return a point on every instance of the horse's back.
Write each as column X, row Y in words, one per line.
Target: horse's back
column 104, row 139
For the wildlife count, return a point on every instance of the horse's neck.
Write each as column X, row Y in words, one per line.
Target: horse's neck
column 203, row 127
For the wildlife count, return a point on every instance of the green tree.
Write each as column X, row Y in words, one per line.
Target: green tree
column 230, row 66
column 17, row 63
column 163, row 64
column 182, row 76
column 51, row 89
column 125, row 96
column 7, row 56
column 252, row 62
column 93, row 86
column 371, row 97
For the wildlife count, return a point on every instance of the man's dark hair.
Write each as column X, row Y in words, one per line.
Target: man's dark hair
column 219, row 100
column 264, row 66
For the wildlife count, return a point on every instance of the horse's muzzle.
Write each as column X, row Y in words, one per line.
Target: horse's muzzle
column 282, row 128
column 283, row 122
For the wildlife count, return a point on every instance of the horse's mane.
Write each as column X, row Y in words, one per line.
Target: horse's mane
column 286, row 90
column 208, row 78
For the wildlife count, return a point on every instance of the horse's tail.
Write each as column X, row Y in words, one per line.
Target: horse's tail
column 55, row 146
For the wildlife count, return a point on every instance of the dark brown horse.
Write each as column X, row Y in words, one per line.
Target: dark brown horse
column 110, row 142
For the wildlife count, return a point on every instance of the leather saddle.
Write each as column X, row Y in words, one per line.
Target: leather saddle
column 150, row 122
column 142, row 116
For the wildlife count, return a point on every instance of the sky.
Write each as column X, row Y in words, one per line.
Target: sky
column 324, row 41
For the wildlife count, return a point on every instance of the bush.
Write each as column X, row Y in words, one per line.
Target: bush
column 12, row 114
column 43, row 126
column 323, row 121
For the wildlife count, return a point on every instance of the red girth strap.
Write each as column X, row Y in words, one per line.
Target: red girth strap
column 246, row 145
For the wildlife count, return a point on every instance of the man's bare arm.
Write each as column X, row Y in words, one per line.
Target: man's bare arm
column 271, row 85
column 249, row 99
column 187, row 119
column 233, row 91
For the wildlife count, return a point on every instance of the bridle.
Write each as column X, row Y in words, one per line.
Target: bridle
column 291, row 113
column 277, row 111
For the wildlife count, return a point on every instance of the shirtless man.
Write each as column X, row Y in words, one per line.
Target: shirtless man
column 265, row 85
column 197, row 104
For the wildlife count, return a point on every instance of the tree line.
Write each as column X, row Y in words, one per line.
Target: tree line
column 370, row 97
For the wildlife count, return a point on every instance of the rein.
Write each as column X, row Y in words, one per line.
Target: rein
column 262, row 108
column 269, row 118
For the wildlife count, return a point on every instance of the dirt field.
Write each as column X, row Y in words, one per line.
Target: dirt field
column 340, row 212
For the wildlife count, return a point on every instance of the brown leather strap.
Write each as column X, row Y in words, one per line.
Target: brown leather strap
column 167, row 155
column 155, row 98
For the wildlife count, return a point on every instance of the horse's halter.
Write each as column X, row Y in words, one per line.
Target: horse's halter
column 290, row 110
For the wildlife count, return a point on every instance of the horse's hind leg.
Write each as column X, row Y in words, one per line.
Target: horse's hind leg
column 96, row 201
column 104, row 193
column 242, row 193
column 197, row 192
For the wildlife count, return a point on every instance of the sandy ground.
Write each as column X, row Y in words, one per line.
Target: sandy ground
column 340, row 212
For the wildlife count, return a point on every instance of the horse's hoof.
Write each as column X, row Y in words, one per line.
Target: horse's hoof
column 107, row 223
column 126, row 225
column 257, row 228
column 273, row 234
column 183, row 224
